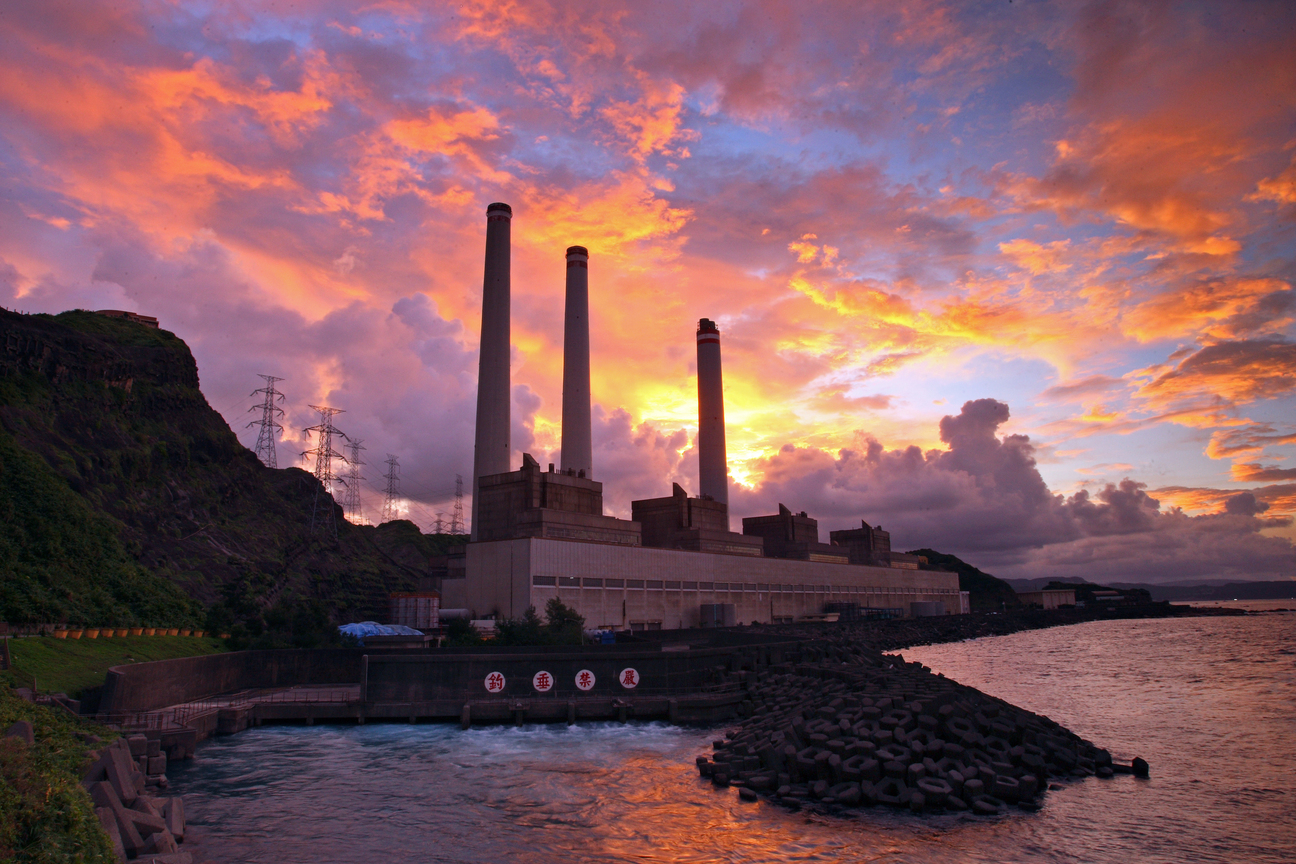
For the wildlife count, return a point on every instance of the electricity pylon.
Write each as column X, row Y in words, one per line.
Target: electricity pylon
column 456, row 521
column 390, row 511
column 265, row 446
column 324, row 455
column 351, row 506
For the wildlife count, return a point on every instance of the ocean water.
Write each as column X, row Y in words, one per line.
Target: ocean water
column 1209, row 702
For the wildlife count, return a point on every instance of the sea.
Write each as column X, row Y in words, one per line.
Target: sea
column 1209, row 702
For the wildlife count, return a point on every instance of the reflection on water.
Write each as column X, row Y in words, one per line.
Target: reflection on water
column 1207, row 702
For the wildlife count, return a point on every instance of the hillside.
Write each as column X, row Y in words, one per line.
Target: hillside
column 124, row 498
column 988, row 593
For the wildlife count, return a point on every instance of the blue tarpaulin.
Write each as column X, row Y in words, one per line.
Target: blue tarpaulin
column 373, row 628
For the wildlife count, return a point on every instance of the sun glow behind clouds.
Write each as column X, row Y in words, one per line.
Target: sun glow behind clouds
column 1082, row 211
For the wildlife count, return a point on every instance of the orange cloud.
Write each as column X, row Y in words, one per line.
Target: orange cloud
column 1036, row 258
column 1253, row 472
column 1237, row 372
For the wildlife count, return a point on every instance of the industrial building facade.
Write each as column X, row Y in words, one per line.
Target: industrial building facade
column 541, row 534
column 637, row 587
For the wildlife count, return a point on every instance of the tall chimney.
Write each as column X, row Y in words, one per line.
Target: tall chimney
column 577, row 447
column 491, row 453
column 713, row 469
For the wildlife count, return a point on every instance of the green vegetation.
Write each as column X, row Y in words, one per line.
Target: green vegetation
column 71, row 665
column 125, row 499
column 46, row 817
column 987, row 593
column 564, row 626
column 305, row 624
column 63, row 562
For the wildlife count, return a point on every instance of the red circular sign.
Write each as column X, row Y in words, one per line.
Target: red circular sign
column 542, row 681
column 629, row 678
column 585, row 680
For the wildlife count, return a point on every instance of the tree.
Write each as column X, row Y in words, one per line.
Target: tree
column 460, row 632
column 527, row 630
column 565, row 623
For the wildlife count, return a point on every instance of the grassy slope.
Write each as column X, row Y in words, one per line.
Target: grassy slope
column 110, row 412
column 68, row 665
column 45, row 814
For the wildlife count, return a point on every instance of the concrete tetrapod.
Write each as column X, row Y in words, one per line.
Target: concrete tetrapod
column 838, row 712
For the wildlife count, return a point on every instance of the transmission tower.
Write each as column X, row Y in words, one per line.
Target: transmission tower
column 265, row 446
column 351, row 507
column 324, row 455
column 440, row 522
column 390, row 510
column 456, row 521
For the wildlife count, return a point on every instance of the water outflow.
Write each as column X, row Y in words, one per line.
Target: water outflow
column 577, row 447
column 491, row 453
column 713, row 465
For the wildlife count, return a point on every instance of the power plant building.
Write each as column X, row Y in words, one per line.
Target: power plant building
column 539, row 533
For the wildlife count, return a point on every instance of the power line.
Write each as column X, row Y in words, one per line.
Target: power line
column 351, row 505
column 270, row 412
column 324, row 455
column 392, row 493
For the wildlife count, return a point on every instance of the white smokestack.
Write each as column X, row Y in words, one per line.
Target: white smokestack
column 577, row 446
column 491, row 454
column 713, row 467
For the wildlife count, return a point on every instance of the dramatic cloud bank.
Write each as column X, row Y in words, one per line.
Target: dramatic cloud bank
column 1082, row 211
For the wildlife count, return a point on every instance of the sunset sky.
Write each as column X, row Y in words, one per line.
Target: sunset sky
column 1013, row 279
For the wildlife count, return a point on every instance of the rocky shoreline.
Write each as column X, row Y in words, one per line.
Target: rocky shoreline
column 139, row 824
column 847, row 726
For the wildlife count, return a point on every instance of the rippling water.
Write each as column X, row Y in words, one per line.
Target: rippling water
column 1208, row 702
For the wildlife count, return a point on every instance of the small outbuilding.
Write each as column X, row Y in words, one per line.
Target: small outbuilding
column 1048, row 599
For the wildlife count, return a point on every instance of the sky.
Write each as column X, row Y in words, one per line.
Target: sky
column 1011, row 279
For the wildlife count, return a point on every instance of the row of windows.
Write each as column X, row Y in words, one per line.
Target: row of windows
column 669, row 585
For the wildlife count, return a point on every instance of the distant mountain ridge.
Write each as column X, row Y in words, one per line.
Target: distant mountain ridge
column 1201, row 590
column 124, row 497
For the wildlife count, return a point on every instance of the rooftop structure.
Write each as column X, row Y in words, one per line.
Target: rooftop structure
column 534, row 503
column 696, row 524
column 865, row 545
column 793, row 535
column 146, row 320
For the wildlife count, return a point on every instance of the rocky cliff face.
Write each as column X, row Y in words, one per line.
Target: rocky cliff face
column 105, row 434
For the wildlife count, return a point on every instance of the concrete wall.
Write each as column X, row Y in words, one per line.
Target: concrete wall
column 620, row 586
column 157, row 684
column 428, row 677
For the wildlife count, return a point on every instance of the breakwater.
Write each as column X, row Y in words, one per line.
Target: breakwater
column 851, row 726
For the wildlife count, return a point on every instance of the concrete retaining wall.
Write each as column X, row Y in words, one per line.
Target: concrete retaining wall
column 157, row 684
column 405, row 676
